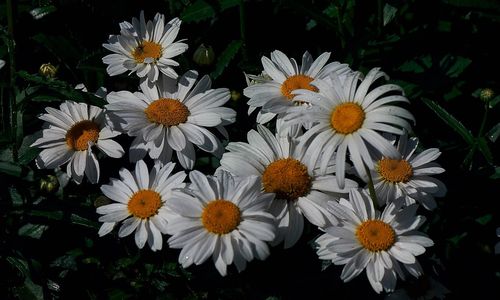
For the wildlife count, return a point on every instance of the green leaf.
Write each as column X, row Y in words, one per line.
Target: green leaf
column 496, row 175
column 493, row 102
column 485, row 150
column 483, row 220
column 389, row 13
column 20, row 264
column 450, row 120
column 27, row 153
column 40, row 12
column 10, row 169
column 52, row 215
column 494, row 133
column 455, row 240
column 32, row 230
column 225, row 57
column 29, row 291
column 454, row 66
column 76, row 219
column 201, row 10
column 15, row 197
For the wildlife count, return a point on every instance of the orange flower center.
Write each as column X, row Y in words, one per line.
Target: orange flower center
column 395, row 170
column 288, row 178
column 347, row 117
column 145, row 50
column 81, row 134
column 144, row 204
column 169, row 112
column 220, row 216
column 376, row 235
column 296, row 82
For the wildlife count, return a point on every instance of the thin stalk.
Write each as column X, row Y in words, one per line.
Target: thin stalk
column 371, row 187
column 243, row 35
column 12, row 78
column 468, row 160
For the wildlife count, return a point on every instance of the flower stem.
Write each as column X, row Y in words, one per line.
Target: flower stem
column 371, row 187
column 12, row 79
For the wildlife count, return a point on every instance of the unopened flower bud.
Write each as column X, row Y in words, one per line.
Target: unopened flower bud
column 48, row 70
column 204, row 56
column 235, row 95
column 486, row 94
column 49, row 184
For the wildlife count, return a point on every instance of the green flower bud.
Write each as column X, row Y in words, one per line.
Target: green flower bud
column 48, row 70
column 486, row 94
column 204, row 56
column 49, row 184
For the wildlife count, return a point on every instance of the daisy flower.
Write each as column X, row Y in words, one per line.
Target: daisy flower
column 145, row 48
column 223, row 217
column 379, row 243
column 407, row 176
column 165, row 118
column 141, row 198
column 70, row 134
column 348, row 118
column 284, row 170
column 273, row 90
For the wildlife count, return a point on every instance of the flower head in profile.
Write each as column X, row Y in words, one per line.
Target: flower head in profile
column 274, row 91
column 283, row 169
column 70, row 136
column 223, row 217
column 408, row 175
column 349, row 116
column 140, row 199
column 168, row 117
column 383, row 244
column 145, row 48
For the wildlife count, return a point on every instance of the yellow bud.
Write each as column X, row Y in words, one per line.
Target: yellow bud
column 48, row 70
column 486, row 94
column 204, row 56
column 235, row 95
column 49, row 184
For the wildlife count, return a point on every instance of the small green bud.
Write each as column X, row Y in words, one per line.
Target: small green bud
column 49, row 184
column 204, row 56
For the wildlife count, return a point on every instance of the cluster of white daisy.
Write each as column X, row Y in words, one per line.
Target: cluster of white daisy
column 339, row 154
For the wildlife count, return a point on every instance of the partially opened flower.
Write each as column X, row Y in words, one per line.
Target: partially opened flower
column 284, row 169
column 379, row 243
column 70, row 135
column 140, row 199
column 145, row 48
column 349, row 117
column 407, row 176
column 223, row 217
column 165, row 118
column 274, row 91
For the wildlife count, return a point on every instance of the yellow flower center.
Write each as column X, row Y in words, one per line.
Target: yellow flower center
column 82, row 133
column 395, row 170
column 145, row 50
column 375, row 235
column 347, row 117
column 144, row 204
column 220, row 216
column 296, row 82
column 169, row 112
column 288, row 178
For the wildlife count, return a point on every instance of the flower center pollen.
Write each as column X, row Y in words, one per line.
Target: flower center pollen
column 288, row 178
column 169, row 112
column 376, row 235
column 144, row 204
column 347, row 117
column 145, row 50
column 296, row 82
column 81, row 134
column 220, row 216
column 395, row 170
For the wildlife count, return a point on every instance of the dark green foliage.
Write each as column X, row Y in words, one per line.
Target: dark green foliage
column 441, row 52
